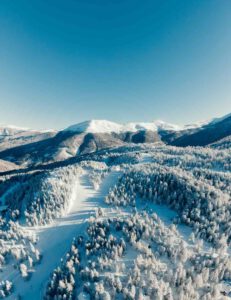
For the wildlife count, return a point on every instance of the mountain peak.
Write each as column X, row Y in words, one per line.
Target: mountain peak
column 104, row 126
column 95, row 126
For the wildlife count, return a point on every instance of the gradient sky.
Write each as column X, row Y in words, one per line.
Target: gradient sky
column 65, row 61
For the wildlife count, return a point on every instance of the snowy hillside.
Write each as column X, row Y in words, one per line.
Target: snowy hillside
column 133, row 222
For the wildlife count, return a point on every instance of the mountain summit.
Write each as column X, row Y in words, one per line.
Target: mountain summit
column 104, row 126
column 32, row 148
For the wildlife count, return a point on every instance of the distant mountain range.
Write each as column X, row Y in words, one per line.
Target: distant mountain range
column 29, row 147
column 11, row 136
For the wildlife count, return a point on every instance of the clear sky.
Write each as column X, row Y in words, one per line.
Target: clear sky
column 65, row 61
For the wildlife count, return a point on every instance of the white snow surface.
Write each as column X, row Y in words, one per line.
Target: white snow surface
column 104, row 126
column 220, row 119
column 196, row 125
column 13, row 127
column 55, row 239
column 11, row 130
column 206, row 122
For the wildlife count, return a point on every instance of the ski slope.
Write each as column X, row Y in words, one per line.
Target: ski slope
column 55, row 239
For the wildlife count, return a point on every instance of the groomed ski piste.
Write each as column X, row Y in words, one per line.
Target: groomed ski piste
column 136, row 247
column 54, row 240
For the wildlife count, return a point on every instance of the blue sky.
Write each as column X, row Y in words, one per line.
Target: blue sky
column 62, row 62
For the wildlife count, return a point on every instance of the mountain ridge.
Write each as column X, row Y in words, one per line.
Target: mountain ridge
column 104, row 126
column 33, row 148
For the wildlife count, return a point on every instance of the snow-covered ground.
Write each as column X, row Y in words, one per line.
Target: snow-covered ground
column 55, row 239
column 162, row 241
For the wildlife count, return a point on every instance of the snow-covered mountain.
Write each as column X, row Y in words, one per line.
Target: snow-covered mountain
column 207, row 133
column 13, row 136
column 104, row 126
column 146, row 221
column 102, row 210
column 29, row 147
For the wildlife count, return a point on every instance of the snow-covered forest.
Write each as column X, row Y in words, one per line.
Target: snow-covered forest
column 115, row 150
column 135, row 222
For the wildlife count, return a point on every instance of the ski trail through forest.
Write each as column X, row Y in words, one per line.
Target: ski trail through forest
column 55, row 239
